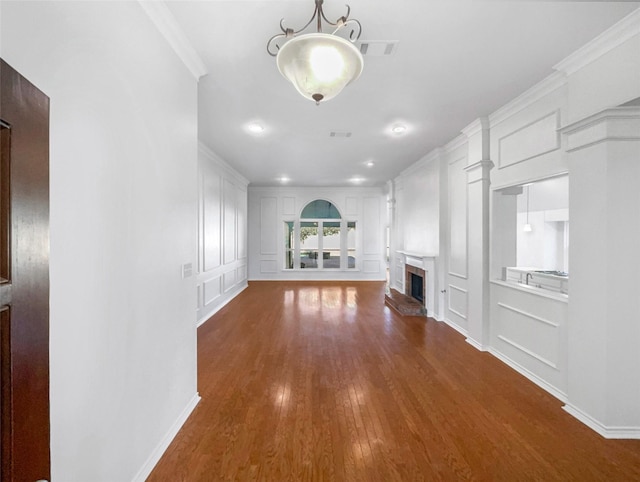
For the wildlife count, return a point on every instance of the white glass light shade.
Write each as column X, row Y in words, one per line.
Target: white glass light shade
column 319, row 65
column 527, row 228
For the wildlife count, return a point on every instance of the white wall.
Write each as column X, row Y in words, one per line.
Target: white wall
column 269, row 208
column 222, row 233
column 123, row 222
column 580, row 348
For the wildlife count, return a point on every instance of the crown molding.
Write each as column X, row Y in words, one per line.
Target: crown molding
column 211, row 155
column 551, row 83
column 478, row 125
column 168, row 26
column 458, row 141
column 434, row 155
column 603, row 43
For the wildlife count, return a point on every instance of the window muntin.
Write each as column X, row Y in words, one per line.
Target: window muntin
column 324, row 242
column 289, row 244
column 309, row 244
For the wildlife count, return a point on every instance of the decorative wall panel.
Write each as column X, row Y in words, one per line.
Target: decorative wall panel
column 229, row 199
column 458, row 218
column 212, row 290
column 289, row 206
column 211, row 203
column 269, row 225
column 530, row 141
column 371, row 225
column 458, row 301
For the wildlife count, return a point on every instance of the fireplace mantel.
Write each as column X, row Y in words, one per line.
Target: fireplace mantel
column 427, row 262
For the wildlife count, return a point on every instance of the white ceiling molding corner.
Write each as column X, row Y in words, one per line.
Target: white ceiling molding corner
column 458, row 141
column 603, row 43
column 480, row 124
column 209, row 153
column 551, row 83
column 166, row 23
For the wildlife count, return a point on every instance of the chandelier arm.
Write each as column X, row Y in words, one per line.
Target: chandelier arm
column 340, row 21
column 315, row 12
column 353, row 30
column 272, row 42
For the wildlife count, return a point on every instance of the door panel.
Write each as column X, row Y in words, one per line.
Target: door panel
column 24, row 278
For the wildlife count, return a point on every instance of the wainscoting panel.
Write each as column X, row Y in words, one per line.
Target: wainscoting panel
column 371, row 225
column 229, row 280
column 212, row 289
column 289, row 206
column 371, row 266
column 530, row 331
column 222, row 234
column 352, row 206
column 532, row 140
column 229, row 199
column 268, row 266
column 241, row 224
column 241, row 273
column 269, row 225
column 458, row 217
column 458, row 301
column 211, row 202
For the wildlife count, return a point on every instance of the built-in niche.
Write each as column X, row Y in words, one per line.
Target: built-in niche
column 531, row 233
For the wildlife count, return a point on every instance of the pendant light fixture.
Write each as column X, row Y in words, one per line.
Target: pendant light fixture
column 527, row 227
column 318, row 64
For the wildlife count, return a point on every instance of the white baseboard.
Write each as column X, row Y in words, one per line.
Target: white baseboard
column 231, row 295
column 603, row 430
column 530, row 375
column 157, row 453
column 456, row 327
column 475, row 344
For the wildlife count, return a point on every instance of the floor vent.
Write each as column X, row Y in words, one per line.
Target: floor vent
column 378, row 48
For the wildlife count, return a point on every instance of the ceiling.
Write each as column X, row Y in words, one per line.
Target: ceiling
column 455, row 61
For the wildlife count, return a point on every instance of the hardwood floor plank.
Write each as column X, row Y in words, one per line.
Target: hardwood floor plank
column 305, row 381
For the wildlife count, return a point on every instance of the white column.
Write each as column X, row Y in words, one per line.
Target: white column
column 604, row 265
column 478, row 233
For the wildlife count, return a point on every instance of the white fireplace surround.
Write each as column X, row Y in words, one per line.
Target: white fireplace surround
column 427, row 262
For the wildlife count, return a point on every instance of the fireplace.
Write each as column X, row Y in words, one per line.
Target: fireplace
column 417, row 287
column 415, row 283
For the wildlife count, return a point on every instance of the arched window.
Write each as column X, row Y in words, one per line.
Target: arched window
column 320, row 239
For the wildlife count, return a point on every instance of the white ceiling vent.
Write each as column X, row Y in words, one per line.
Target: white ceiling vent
column 378, row 48
column 340, row 134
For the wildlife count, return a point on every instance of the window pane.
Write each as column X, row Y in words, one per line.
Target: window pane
column 320, row 209
column 308, row 244
column 288, row 244
column 351, row 244
column 331, row 245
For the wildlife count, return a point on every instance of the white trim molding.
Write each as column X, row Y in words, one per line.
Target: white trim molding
column 616, row 124
column 530, row 375
column 166, row 23
column 603, row 430
column 160, row 449
column 603, row 43
column 230, row 295
column 543, row 88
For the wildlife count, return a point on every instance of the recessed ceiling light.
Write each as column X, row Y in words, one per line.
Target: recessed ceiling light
column 369, row 163
column 356, row 180
column 398, row 129
column 283, row 179
column 255, row 128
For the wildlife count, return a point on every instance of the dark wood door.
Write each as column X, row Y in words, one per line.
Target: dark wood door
column 24, row 279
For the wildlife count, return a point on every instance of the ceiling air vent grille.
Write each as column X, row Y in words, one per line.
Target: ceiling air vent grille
column 339, row 134
column 378, row 48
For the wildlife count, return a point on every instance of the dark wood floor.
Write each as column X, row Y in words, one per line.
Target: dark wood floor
column 322, row 382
